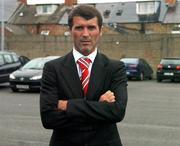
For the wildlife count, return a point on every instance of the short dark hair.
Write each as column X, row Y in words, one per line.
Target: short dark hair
column 85, row 11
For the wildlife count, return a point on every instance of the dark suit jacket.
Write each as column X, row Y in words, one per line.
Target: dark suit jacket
column 86, row 122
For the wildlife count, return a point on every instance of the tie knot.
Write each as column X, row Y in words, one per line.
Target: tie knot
column 84, row 62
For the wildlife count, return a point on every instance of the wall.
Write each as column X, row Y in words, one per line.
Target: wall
column 150, row 47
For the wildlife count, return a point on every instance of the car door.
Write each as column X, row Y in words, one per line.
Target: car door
column 10, row 65
column 148, row 70
column 141, row 66
column 2, row 69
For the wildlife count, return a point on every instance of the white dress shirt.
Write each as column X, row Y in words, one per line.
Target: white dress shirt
column 78, row 55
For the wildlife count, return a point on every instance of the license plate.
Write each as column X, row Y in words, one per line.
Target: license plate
column 168, row 73
column 22, row 86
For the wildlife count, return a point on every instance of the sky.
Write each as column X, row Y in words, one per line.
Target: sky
column 9, row 8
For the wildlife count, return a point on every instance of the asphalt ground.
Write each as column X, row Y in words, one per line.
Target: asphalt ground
column 152, row 116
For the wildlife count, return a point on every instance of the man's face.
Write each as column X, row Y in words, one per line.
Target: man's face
column 85, row 34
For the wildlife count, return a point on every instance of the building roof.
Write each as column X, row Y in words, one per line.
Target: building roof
column 15, row 29
column 118, row 12
column 26, row 14
column 125, row 12
column 173, row 14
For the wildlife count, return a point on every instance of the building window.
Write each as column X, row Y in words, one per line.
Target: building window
column 45, row 9
column 106, row 13
column 119, row 12
column 147, row 8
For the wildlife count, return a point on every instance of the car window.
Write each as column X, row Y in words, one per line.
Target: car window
column 15, row 58
column 8, row 58
column 170, row 61
column 130, row 60
column 1, row 60
column 34, row 64
column 37, row 63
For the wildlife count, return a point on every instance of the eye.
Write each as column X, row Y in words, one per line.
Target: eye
column 78, row 28
column 91, row 27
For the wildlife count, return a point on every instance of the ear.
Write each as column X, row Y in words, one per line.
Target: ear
column 101, row 30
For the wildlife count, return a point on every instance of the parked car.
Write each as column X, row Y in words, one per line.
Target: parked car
column 29, row 76
column 169, row 68
column 9, row 62
column 137, row 68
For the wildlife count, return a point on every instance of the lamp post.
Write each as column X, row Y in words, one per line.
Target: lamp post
column 2, row 25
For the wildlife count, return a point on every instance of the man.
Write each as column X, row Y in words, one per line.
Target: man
column 82, row 106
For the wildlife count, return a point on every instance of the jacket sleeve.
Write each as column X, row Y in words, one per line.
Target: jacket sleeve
column 98, row 112
column 51, row 116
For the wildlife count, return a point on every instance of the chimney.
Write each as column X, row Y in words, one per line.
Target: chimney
column 22, row 1
column 170, row 3
column 70, row 2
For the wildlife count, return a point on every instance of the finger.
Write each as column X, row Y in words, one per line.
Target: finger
column 112, row 100
column 109, row 93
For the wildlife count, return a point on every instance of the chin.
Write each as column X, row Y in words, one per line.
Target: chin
column 86, row 51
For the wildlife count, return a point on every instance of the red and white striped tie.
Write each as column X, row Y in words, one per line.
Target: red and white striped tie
column 84, row 65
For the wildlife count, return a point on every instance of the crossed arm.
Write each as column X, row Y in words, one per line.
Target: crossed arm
column 106, row 97
column 110, row 106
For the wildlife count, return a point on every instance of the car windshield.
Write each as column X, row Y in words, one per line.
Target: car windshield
column 130, row 60
column 170, row 61
column 37, row 63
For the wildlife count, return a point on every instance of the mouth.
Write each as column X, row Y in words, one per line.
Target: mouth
column 85, row 42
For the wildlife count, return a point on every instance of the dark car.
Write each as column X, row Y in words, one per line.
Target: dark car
column 29, row 76
column 169, row 68
column 137, row 68
column 9, row 62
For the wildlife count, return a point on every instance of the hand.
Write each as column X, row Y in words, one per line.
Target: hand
column 62, row 104
column 108, row 97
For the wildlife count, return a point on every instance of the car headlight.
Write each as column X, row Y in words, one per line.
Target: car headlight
column 11, row 76
column 36, row 77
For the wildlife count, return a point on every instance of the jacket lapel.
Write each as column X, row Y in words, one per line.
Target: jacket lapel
column 71, row 77
column 98, row 74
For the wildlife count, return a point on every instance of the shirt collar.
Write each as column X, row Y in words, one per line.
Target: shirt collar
column 78, row 55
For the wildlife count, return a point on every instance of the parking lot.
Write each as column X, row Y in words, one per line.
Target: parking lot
column 152, row 117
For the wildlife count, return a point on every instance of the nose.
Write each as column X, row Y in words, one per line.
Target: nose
column 85, row 31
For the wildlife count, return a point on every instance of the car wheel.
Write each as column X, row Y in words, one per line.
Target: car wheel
column 150, row 77
column 14, row 89
column 159, row 80
column 172, row 80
